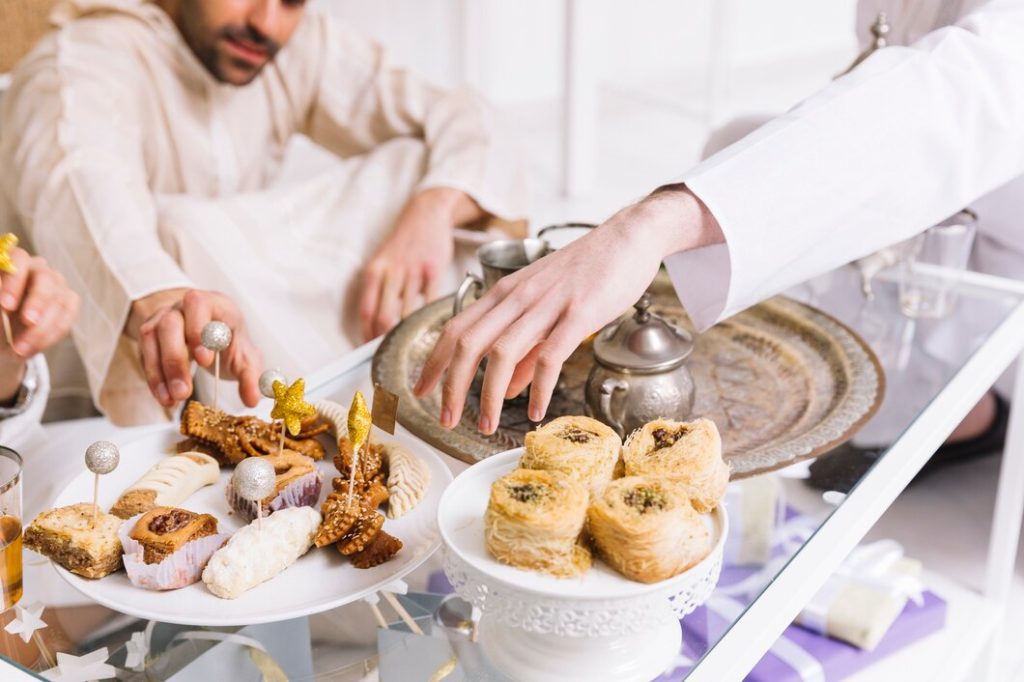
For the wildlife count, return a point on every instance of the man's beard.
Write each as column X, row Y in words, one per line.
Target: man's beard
column 213, row 58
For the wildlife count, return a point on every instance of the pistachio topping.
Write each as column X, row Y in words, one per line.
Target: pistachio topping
column 527, row 492
column 644, row 499
column 575, row 434
column 663, row 438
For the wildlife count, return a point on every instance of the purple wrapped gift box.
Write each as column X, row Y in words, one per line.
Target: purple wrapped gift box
column 805, row 655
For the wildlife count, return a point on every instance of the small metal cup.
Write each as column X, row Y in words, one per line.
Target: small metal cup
column 498, row 259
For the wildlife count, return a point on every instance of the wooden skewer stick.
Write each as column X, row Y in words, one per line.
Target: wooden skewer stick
column 95, row 499
column 101, row 457
column 378, row 616
column 216, row 379
column 280, row 446
column 402, row 613
column 352, row 470
column 7, row 328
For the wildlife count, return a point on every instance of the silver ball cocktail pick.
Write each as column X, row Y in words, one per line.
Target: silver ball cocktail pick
column 267, row 380
column 101, row 457
column 254, row 480
column 216, row 336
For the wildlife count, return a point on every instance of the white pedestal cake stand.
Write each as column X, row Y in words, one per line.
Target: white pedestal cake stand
column 535, row 627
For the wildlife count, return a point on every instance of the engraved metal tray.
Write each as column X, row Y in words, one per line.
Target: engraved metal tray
column 782, row 380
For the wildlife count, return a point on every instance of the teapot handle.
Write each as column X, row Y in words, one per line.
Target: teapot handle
column 474, row 283
column 608, row 388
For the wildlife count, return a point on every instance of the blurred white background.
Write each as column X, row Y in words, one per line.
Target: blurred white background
column 649, row 78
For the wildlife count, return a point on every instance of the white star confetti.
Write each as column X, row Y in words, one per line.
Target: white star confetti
column 27, row 622
column 136, row 650
column 92, row 666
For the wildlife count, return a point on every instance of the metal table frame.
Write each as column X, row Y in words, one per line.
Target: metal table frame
column 751, row 636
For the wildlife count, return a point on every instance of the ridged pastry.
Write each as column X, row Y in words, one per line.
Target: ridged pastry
column 254, row 555
column 408, row 479
column 371, row 496
column 231, row 439
column 535, row 520
column 382, row 548
column 646, row 529
column 578, row 446
column 169, row 483
column 369, row 464
column 366, row 527
column 686, row 453
column 337, row 517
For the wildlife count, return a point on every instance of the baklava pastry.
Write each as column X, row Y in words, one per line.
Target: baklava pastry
column 646, row 529
column 79, row 538
column 167, row 548
column 578, row 446
column 534, row 520
column 686, row 453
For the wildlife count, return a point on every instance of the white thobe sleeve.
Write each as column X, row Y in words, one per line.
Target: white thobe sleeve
column 360, row 101
column 80, row 187
column 908, row 138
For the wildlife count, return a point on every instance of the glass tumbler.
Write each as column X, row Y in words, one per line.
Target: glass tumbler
column 933, row 264
column 10, row 526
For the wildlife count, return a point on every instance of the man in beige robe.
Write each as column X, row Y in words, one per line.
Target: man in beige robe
column 139, row 144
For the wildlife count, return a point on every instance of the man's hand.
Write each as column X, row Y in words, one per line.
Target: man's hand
column 406, row 270
column 41, row 308
column 168, row 325
column 529, row 323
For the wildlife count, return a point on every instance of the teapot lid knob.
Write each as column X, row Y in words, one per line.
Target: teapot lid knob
column 642, row 306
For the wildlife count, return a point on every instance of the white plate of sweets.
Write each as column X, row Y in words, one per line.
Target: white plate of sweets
column 462, row 518
column 319, row 580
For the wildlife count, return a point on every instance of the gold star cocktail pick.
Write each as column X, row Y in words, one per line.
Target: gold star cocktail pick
column 7, row 242
column 359, row 423
column 290, row 407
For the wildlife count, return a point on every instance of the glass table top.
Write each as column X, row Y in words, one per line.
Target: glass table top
column 919, row 357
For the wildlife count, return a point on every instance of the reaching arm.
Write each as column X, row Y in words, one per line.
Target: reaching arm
column 531, row 321
column 908, row 138
column 911, row 136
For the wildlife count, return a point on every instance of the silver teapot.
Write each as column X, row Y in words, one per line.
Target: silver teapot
column 640, row 373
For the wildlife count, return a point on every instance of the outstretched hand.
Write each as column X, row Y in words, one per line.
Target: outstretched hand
column 41, row 305
column 529, row 323
column 406, row 270
column 41, row 308
column 168, row 327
